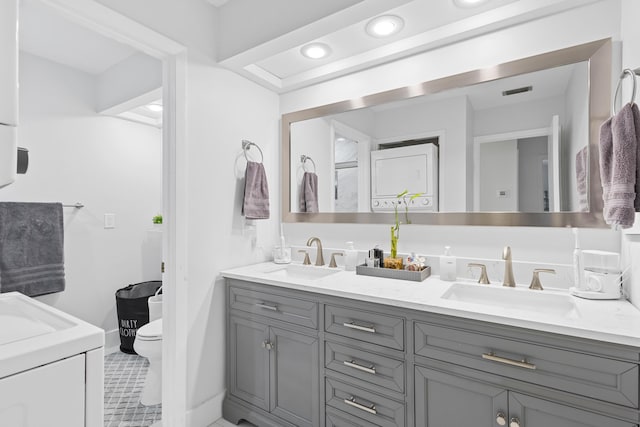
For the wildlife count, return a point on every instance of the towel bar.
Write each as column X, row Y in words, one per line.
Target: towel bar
column 76, row 205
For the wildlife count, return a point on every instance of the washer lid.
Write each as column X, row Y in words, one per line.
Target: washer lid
column 151, row 331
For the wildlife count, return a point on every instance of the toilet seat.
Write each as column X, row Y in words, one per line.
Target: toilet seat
column 152, row 331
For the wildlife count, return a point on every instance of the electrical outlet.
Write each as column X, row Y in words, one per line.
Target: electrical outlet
column 109, row 220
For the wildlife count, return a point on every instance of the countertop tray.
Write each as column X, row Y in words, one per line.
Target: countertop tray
column 415, row 276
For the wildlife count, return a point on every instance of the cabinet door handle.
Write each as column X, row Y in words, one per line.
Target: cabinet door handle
column 267, row 307
column 519, row 363
column 514, row 422
column 266, row 344
column 352, row 325
column 352, row 364
column 352, row 402
column 501, row 419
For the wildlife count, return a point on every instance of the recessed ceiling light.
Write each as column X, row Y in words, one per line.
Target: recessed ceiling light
column 156, row 108
column 469, row 3
column 315, row 50
column 384, row 26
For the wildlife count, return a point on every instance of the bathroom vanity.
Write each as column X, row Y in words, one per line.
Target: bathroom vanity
column 340, row 350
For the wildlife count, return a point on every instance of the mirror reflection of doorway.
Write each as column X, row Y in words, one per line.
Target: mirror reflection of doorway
column 346, row 174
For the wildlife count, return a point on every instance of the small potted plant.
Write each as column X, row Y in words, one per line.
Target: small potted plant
column 394, row 261
column 157, row 220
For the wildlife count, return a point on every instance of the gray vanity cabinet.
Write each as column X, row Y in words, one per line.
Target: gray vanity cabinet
column 273, row 366
column 304, row 359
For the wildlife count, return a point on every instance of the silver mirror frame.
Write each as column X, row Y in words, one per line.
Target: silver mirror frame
column 598, row 56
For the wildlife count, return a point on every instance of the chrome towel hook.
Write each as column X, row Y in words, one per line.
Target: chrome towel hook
column 626, row 72
column 246, row 146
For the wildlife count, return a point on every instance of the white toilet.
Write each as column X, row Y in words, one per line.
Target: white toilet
column 148, row 344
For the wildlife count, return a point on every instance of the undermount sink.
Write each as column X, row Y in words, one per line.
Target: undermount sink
column 544, row 302
column 304, row 272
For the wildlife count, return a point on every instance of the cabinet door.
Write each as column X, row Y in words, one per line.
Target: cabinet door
column 533, row 412
column 249, row 361
column 50, row 395
column 443, row 399
column 295, row 377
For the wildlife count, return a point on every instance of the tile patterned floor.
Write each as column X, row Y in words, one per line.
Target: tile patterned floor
column 124, row 376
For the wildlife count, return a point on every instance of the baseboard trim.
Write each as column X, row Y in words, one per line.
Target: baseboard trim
column 207, row 412
column 111, row 341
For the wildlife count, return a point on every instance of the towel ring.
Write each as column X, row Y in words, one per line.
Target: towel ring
column 304, row 159
column 246, row 146
column 625, row 72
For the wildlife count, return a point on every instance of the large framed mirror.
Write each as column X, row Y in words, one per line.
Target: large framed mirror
column 511, row 145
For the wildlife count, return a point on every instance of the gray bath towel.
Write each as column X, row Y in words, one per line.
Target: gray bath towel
column 256, row 192
column 309, row 193
column 31, row 248
column 618, row 166
column 582, row 165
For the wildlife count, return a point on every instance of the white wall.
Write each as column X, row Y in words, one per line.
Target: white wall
column 110, row 165
column 511, row 118
column 535, row 245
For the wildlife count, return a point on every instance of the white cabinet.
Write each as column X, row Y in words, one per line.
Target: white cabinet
column 9, row 62
column 50, row 395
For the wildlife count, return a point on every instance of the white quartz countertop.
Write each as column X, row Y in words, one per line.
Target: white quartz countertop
column 615, row 321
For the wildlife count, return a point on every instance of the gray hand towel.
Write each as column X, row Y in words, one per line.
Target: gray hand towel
column 31, row 248
column 618, row 167
column 309, row 193
column 256, row 192
column 582, row 162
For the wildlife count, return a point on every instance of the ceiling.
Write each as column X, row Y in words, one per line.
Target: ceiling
column 276, row 63
column 45, row 33
column 261, row 40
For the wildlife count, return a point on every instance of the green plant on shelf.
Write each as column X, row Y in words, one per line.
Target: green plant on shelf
column 405, row 199
column 157, row 219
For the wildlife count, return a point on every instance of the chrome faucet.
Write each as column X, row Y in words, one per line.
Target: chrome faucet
column 319, row 257
column 508, row 268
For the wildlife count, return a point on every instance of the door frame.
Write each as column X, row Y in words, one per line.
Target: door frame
column 173, row 55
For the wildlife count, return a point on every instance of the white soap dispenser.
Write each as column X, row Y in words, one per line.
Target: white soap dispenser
column 351, row 257
column 577, row 261
column 447, row 265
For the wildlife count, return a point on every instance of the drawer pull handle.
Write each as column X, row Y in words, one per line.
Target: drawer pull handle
column 352, row 364
column 352, row 325
column 519, row 363
column 267, row 307
column 352, row 402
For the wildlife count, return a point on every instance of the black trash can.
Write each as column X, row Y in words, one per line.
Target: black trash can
column 133, row 311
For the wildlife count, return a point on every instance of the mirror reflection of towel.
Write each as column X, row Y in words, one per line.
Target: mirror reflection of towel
column 582, row 165
column 309, row 193
column 619, row 166
column 256, row 192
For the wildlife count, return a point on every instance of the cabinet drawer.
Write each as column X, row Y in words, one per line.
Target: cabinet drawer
column 292, row 310
column 366, row 326
column 563, row 369
column 371, row 407
column 373, row 368
column 335, row 418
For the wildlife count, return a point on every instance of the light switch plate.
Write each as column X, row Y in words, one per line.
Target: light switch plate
column 109, row 220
